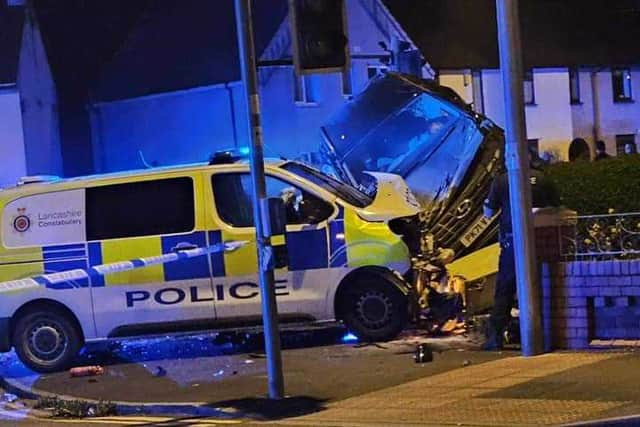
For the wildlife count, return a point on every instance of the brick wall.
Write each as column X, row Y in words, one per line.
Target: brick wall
column 590, row 300
column 583, row 300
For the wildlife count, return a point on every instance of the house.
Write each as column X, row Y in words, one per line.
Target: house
column 164, row 99
column 157, row 82
column 29, row 138
column 582, row 65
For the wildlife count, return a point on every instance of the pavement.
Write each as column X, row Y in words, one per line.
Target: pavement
column 202, row 375
column 355, row 385
column 551, row 389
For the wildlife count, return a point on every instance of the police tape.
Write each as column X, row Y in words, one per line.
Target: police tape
column 117, row 267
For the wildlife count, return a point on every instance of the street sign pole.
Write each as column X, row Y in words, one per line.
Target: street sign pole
column 516, row 158
column 246, row 49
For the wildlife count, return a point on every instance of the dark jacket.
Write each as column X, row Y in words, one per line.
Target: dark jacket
column 543, row 194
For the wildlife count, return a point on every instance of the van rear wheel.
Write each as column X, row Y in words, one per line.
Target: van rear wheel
column 46, row 340
column 374, row 309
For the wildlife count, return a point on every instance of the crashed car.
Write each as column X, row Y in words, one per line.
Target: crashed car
column 424, row 132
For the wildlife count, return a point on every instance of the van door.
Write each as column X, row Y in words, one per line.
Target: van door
column 45, row 233
column 130, row 220
column 301, row 287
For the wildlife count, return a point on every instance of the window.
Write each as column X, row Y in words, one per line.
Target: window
column 305, row 89
column 344, row 191
column 626, row 144
column 345, row 80
column 529, row 89
column 478, row 97
column 146, row 208
column 233, row 191
column 621, row 79
column 376, row 70
column 574, row 86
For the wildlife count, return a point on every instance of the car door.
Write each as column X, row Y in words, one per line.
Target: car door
column 129, row 220
column 301, row 286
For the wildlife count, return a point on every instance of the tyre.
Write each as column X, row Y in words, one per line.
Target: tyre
column 46, row 339
column 374, row 309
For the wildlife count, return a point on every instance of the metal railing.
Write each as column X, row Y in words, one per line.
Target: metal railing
column 601, row 237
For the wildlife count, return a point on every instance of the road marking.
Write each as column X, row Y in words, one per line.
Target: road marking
column 140, row 421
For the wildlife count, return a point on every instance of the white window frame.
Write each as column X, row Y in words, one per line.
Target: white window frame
column 302, row 91
column 575, row 98
column 528, row 80
column 380, row 69
column 626, row 84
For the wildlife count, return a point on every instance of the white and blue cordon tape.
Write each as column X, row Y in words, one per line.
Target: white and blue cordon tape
column 116, row 267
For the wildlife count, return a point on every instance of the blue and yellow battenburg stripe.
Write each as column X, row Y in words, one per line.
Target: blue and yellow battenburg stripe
column 71, row 277
column 347, row 242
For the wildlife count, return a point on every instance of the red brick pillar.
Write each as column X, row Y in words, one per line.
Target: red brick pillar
column 554, row 227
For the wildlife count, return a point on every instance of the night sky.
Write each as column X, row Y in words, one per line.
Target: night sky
column 462, row 33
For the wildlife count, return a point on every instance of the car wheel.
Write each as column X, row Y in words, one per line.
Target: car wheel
column 46, row 340
column 374, row 309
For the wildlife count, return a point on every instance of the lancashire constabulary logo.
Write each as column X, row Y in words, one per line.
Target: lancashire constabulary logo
column 21, row 222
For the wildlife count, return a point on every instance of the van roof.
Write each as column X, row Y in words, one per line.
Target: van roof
column 135, row 172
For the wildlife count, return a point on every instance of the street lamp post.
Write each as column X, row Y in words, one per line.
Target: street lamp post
column 246, row 49
column 516, row 158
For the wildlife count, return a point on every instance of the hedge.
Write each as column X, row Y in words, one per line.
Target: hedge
column 596, row 187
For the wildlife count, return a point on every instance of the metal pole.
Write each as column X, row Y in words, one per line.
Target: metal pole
column 246, row 48
column 516, row 157
column 595, row 101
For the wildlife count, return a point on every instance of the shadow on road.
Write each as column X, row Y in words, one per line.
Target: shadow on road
column 267, row 409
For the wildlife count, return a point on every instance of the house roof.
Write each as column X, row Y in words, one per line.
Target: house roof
column 81, row 37
column 11, row 20
column 183, row 44
column 454, row 34
column 118, row 49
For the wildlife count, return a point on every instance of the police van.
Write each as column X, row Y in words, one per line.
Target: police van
column 343, row 262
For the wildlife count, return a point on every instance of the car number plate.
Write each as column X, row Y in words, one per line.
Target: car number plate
column 476, row 229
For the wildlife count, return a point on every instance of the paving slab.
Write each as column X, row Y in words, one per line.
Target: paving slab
column 550, row 389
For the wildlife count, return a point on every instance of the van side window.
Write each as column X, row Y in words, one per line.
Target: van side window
column 232, row 193
column 145, row 208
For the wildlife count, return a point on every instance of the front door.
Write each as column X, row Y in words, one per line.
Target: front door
column 301, row 287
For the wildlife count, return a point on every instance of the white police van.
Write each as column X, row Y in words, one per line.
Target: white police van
column 343, row 262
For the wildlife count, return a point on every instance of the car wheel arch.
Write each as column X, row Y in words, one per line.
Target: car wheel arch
column 392, row 277
column 39, row 304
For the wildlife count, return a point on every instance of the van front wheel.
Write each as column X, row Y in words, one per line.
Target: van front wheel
column 46, row 340
column 374, row 310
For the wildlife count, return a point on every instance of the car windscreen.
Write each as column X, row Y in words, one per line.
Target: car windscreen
column 341, row 190
column 410, row 133
column 391, row 125
column 433, row 175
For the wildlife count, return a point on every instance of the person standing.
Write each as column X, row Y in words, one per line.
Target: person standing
column 544, row 193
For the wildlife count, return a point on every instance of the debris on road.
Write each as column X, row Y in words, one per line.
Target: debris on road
column 9, row 397
column 86, row 371
column 160, row 372
column 423, row 354
column 75, row 408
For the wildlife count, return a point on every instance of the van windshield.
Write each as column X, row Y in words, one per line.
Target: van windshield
column 341, row 190
column 406, row 135
column 389, row 127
